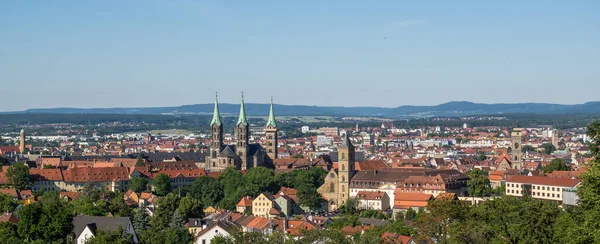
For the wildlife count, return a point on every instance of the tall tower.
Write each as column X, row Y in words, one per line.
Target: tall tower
column 216, row 134
column 22, row 142
column 516, row 138
column 345, row 169
column 242, row 132
column 271, row 134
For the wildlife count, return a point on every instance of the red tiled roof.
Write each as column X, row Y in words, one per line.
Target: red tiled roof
column 370, row 195
column 95, row 174
column 543, row 180
column 46, row 174
column 9, row 191
column 370, row 165
column 245, row 202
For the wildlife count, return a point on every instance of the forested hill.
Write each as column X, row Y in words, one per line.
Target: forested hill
column 254, row 109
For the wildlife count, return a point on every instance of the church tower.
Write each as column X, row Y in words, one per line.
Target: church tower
column 216, row 135
column 516, row 138
column 242, row 132
column 271, row 134
column 345, row 169
column 22, row 142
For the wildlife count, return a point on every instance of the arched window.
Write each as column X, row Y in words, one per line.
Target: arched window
column 343, row 167
column 343, row 156
column 343, row 178
column 343, row 189
column 331, row 187
column 214, row 154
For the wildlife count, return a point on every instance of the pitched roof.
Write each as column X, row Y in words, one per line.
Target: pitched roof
column 543, row 180
column 96, row 174
column 370, row 165
column 9, row 217
column 102, row 223
column 216, row 119
column 370, row 195
column 271, row 119
column 46, row 174
column 245, row 202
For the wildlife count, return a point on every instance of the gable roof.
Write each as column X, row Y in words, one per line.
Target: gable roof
column 100, row 222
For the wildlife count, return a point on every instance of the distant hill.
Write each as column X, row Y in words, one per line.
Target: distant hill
column 458, row 108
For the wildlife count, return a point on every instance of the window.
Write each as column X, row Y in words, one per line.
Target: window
column 343, row 156
column 343, row 167
column 331, row 186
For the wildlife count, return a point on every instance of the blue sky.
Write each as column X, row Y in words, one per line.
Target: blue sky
column 350, row 53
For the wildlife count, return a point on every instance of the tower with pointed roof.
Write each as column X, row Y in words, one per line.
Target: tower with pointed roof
column 242, row 134
column 345, row 169
column 271, row 134
column 216, row 135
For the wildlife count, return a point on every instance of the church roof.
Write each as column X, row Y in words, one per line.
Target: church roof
column 242, row 118
column 228, row 151
column 216, row 115
column 271, row 120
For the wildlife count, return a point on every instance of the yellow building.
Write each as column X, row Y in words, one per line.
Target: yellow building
column 539, row 187
column 336, row 189
column 262, row 204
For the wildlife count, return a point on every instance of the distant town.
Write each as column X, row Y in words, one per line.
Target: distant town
column 368, row 180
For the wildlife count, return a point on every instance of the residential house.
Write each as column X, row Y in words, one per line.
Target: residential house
column 218, row 228
column 376, row 200
column 403, row 201
column 262, row 205
column 86, row 227
column 244, row 205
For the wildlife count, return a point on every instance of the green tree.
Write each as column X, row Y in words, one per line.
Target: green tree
column 309, row 197
column 164, row 211
column 84, row 205
column 177, row 220
column 91, row 191
column 556, row 164
column 118, row 207
column 7, row 203
column 589, row 190
column 481, row 156
column 297, row 156
column 207, row 189
column 162, row 184
column 548, row 148
column 232, row 182
column 138, row 184
column 18, row 176
column 479, row 183
column 140, row 160
column 190, row 208
column 258, row 180
column 141, row 220
column 117, row 236
column 48, row 220
column 8, row 233
column 436, row 222
column 527, row 148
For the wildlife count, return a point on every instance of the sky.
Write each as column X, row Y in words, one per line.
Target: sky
column 145, row 53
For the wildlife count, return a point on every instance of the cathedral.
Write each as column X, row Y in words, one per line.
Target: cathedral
column 242, row 155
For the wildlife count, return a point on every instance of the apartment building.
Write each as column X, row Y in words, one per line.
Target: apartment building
column 539, row 187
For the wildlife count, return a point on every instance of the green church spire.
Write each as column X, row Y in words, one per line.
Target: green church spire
column 216, row 116
column 242, row 118
column 271, row 121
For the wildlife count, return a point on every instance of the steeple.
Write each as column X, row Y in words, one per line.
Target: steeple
column 346, row 143
column 216, row 116
column 271, row 121
column 242, row 118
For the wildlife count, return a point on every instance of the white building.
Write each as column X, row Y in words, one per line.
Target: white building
column 539, row 187
column 376, row 200
column 86, row 227
column 220, row 228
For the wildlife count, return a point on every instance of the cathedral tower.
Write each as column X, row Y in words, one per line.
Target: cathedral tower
column 271, row 134
column 216, row 135
column 242, row 134
column 345, row 169
column 22, row 142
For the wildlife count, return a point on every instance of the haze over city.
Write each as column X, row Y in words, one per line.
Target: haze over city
column 349, row 53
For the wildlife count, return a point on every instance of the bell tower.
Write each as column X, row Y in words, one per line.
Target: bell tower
column 271, row 134
column 345, row 169
column 216, row 134
column 242, row 136
column 516, row 137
